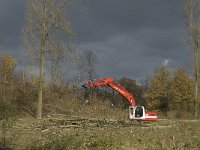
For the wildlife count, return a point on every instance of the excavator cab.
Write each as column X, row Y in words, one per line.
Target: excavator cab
column 137, row 112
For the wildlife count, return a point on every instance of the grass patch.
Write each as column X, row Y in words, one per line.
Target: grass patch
column 74, row 141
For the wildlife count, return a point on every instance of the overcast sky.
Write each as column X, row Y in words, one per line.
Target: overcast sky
column 129, row 37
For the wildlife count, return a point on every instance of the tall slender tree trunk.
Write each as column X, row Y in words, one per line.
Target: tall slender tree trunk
column 193, row 22
column 196, row 100
column 4, row 89
column 196, row 83
column 41, row 80
column 42, row 18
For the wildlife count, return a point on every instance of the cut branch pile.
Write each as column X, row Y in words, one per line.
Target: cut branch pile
column 65, row 122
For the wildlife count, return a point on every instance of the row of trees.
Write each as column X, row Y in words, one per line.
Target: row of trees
column 19, row 87
column 164, row 92
column 168, row 92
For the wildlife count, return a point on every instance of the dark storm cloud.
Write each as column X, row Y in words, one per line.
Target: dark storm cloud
column 130, row 37
column 11, row 21
column 106, row 18
column 129, row 55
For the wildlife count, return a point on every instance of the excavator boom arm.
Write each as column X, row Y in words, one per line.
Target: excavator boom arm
column 97, row 82
column 114, row 85
column 117, row 87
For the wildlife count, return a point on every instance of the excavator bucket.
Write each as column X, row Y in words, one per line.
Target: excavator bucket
column 84, row 86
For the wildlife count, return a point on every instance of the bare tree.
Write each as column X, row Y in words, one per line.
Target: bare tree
column 56, row 56
column 87, row 64
column 46, row 24
column 192, row 13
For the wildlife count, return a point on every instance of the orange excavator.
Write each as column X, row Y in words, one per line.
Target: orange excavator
column 137, row 113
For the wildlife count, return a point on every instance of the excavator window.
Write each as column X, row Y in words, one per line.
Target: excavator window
column 138, row 112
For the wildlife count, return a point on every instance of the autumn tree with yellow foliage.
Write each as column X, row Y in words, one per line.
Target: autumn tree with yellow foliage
column 7, row 65
column 167, row 92
column 181, row 92
column 157, row 95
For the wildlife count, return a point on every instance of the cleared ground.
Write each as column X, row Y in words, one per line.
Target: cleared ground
column 75, row 132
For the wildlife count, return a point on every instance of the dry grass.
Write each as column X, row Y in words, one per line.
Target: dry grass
column 29, row 133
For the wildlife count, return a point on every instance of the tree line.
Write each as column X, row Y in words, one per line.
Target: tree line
column 171, row 91
column 167, row 92
column 46, row 37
